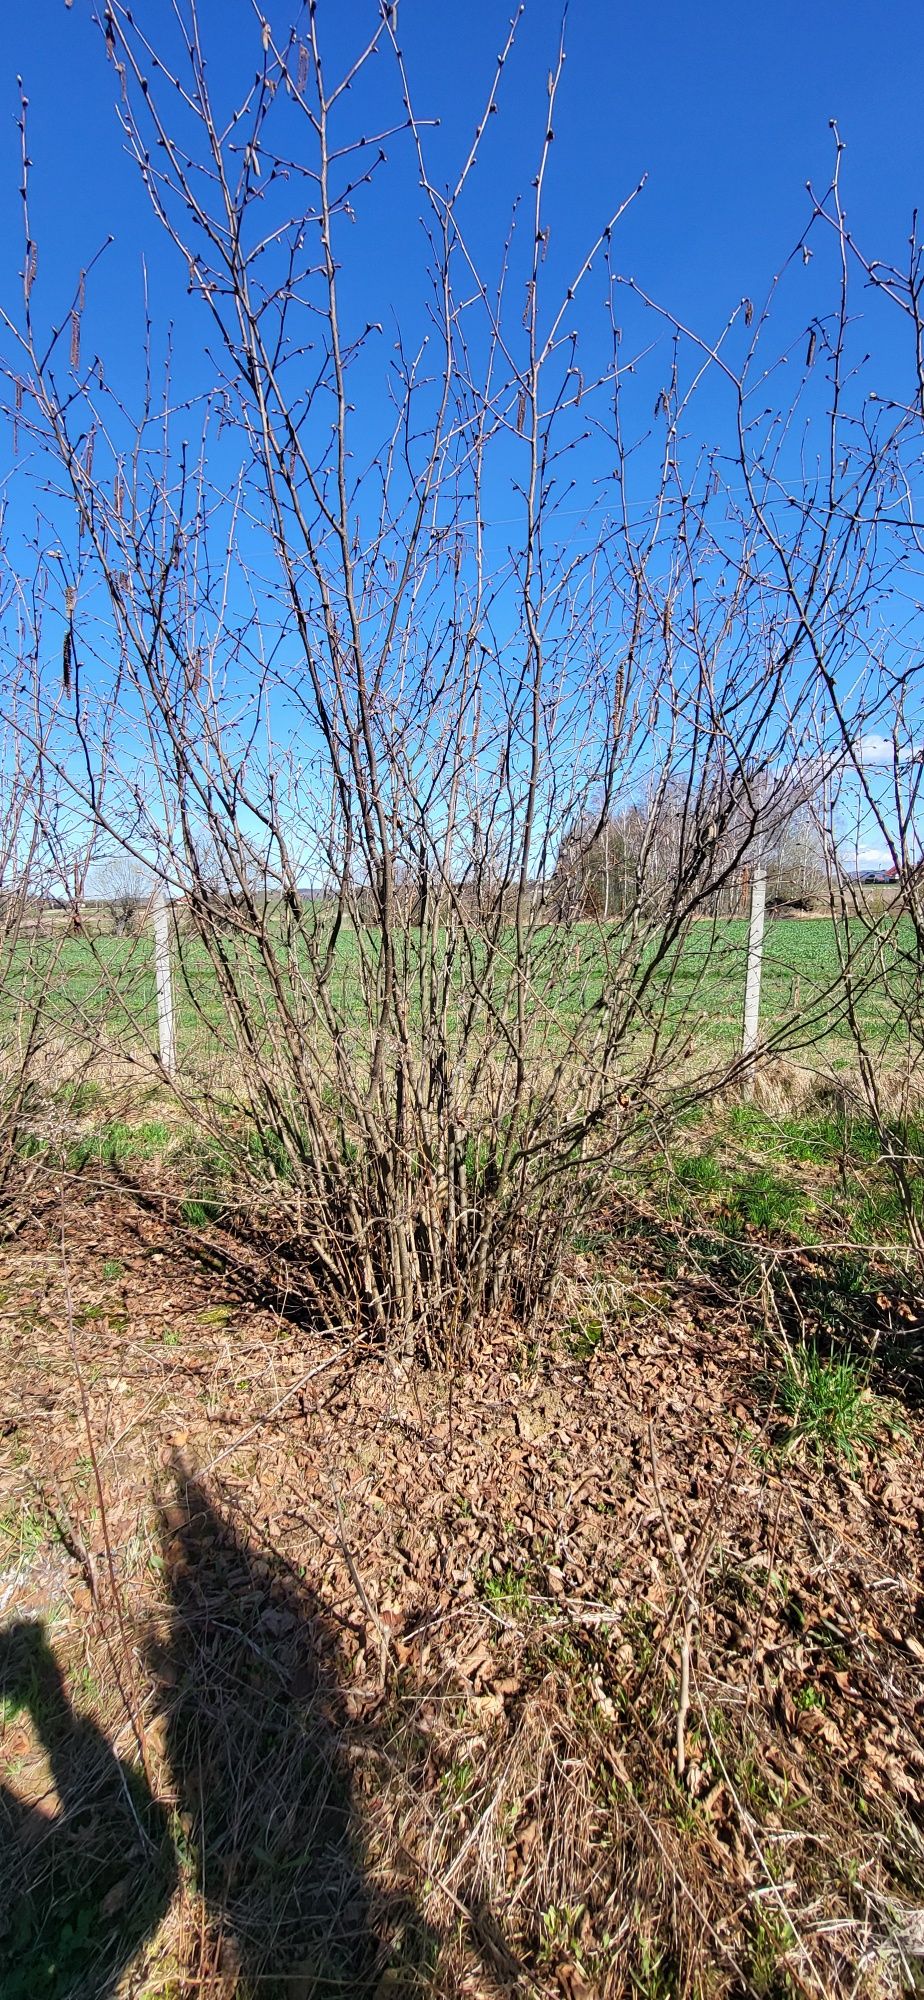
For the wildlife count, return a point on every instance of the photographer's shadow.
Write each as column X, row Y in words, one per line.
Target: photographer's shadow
column 87, row 1873
column 265, row 1762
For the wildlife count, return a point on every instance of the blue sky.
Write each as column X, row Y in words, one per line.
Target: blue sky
column 725, row 108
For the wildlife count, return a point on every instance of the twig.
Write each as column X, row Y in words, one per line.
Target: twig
column 683, row 1698
column 763, row 1607
column 356, row 1579
column 690, row 1613
column 329, row 1362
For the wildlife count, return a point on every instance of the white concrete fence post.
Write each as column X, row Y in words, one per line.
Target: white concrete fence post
column 164, row 977
column 752, row 979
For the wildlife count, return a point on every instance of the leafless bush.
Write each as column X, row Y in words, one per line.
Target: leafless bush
column 373, row 721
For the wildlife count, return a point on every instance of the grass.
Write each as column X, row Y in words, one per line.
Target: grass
column 809, row 1697
column 828, row 1177
column 829, row 1404
column 456, row 1782
column 109, row 982
column 583, row 1338
column 763, row 1201
column 506, row 1592
column 199, row 1213
column 24, row 1532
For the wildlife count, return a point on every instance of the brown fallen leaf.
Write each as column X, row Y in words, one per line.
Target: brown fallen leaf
column 574, row 1983
column 116, row 1897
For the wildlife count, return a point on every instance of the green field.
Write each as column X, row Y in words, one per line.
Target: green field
column 89, row 985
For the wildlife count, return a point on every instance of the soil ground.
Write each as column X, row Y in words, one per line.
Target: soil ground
column 323, row 1674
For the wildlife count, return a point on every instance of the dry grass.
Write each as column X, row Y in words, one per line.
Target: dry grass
column 356, row 1813
column 782, row 1085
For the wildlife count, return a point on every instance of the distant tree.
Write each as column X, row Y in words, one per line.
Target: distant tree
column 128, row 891
column 797, row 869
column 606, row 868
column 600, row 864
